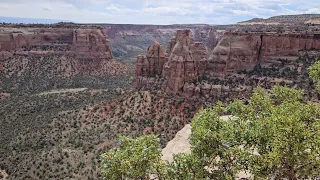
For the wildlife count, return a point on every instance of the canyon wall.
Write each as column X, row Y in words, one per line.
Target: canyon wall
column 183, row 62
column 243, row 51
column 77, row 51
column 35, row 58
column 239, row 63
column 130, row 40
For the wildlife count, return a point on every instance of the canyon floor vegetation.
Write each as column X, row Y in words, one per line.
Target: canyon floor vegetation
column 273, row 135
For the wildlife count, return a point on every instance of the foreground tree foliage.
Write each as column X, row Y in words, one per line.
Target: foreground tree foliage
column 272, row 136
column 134, row 159
column 280, row 134
column 314, row 72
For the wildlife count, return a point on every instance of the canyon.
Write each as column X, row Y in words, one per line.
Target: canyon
column 41, row 58
column 187, row 71
column 129, row 41
column 67, row 91
column 87, row 50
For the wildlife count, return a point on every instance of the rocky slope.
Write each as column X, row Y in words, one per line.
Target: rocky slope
column 61, row 135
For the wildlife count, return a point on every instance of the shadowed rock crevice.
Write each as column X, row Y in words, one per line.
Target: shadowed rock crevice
column 259, row 51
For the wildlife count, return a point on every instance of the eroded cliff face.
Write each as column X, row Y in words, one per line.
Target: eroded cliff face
column 18, row 38
column 78, row 51
column 239, row 63
column 214, row 38
column 150, row 65
column 181, row 66
column 243, row 51
column 91, row 43
column 46, row 54
column 183, row 62
column 131, row 40
column 233, row 53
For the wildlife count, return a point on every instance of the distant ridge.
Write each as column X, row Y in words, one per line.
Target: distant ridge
column 17, row 20
column 299, row 18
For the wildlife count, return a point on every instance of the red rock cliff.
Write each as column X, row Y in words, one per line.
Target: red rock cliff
column 181, row 66
column 243, row 51
column 77, row 51
column 91, row 43
column 188, row 63
column 151, row 64
column 184, row 61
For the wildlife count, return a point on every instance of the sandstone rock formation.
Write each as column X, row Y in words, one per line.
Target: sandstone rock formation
column 181, row 66
column 191, row 74
column 199, row 54
column 77, row 51
column 151, row 64
column 214, row 38
column 233, row 53
column 197, row 35
column 15, row 38
column 155, row 59
column 184, row 62
column 91, row 43
column 37, row 58
column 243, row 51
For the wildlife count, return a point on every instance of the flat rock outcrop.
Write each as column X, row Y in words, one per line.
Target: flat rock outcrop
column 181, row 144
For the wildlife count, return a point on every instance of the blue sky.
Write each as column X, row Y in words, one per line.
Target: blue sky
column 155, row 11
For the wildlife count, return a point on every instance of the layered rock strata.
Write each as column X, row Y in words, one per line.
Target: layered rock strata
column 264, row 59
column 184, row 61
column 77, row 51
column 243, row 51
column 150, row 65
column 181, row 66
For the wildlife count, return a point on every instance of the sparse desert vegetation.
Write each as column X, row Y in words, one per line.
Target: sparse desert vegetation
column 68, row 91
column 62, row 135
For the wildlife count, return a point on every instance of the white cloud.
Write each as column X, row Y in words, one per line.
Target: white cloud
column 165, row 10
column 313, row 10
column 155, row 11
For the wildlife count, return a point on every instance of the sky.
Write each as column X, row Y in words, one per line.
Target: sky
column 155, row 11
